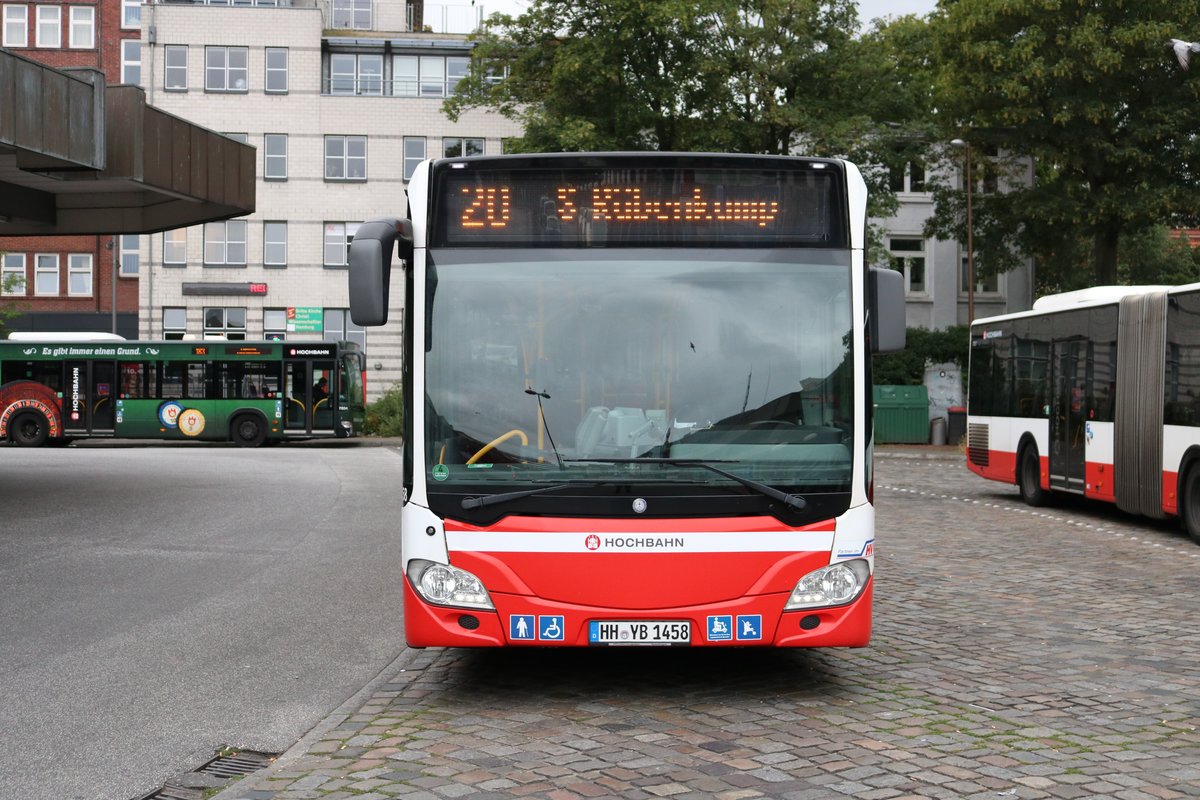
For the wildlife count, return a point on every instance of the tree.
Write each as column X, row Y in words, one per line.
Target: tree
column 10, row 308
column 750, row 76
column 1089, row 90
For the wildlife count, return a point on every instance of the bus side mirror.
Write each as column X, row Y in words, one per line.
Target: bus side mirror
column 885, row 310
column 371, row 267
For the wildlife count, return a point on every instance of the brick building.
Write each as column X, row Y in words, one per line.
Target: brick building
column 67, row 282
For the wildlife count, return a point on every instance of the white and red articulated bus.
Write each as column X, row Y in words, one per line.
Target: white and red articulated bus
column 1094, row 393
column 637, row 398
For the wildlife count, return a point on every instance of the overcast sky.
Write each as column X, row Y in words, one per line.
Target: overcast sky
column 867, row 9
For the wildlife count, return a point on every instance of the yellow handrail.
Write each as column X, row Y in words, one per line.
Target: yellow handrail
column 499, row 440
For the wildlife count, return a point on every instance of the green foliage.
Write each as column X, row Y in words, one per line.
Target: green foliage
column 385, row 417
column 907, row 368
column 10, row 307
column 1092, row 93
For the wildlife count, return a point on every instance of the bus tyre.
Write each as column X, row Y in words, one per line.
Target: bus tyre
column 29, row 429
column 248, row 431
column 1029, row 477
column 1189, row 509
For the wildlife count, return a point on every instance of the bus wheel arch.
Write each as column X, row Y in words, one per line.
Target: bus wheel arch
column 1029, row 473
column 248, row 429
column 1188, row 492
column 29, row 429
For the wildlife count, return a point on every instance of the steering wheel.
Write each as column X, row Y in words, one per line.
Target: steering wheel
column 774, row 423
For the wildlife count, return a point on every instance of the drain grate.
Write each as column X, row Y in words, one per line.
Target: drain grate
column 228, row 764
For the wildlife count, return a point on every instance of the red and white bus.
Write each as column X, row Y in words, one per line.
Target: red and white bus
column 1094, row 393
column 637, row 398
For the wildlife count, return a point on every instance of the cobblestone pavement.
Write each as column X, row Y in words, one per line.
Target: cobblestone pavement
column 1017, row 652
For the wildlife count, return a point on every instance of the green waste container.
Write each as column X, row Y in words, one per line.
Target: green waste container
column 901, row 414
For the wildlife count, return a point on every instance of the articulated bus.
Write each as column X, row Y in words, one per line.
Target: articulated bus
column 1093, row 393
column 56, row 390
column 637, row 398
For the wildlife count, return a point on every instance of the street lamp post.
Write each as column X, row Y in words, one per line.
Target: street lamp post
column 966, row 146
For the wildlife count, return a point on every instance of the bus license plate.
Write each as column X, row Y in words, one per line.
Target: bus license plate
column 604, row 631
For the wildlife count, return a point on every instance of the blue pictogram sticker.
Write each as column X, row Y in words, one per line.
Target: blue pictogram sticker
column 720, row 628
column 550, row 629
column 520, row 627
column 749, row 626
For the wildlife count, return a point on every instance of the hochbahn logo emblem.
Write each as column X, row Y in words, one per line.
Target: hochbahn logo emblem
column 592, row 542
column 643, row 542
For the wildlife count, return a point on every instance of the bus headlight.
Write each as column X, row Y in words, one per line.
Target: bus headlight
column 444, row 585
column 834, row 585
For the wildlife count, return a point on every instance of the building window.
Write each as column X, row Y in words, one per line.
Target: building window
column 276, row 81
column 131, row 255
column 352, row 15
column 275, row 324
column 414, row 154
column 131, row 61
column 225, row 243
column 174, row 323
column 910, row 177
column 225, row 69
column 175, row 67
column 83, row 28
column 908, row 256
column 131, row 13
column 355, row 74
column 275, row 244
column 345, row 158
column 454, row 147
column 989, row 284
column 45, row 274
column 275, row 147
column 175, row 247
column 244, row 138
column 338, row 236
column 16, row 26
column 225, row 323
column 12, row 276
column 340, row 328
column 79, row 274
column 49, row 26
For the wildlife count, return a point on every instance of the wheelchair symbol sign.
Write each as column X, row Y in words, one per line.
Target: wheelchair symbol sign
column 550, row 628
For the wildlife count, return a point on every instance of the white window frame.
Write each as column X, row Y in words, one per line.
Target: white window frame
column 225, row 243
column 82, row 33
column 338, row 236
column 228, row 329
column 462, row 144
column 175, row 77
column 174, row 252
column 16, row 19
column 275, row 237
column 131, row 68
column 49, row 17
column 275, row 71
column 347, row 75
column 902, row 256
column 44, row 265
column 275, row 323
column 79, row 268
column 275, row 164
column 340, row 164
column 14, row 264
column 351, row 14
column 411, row 160
column 175, row 316
column 131, row 254
column 997, row 282
column 131, row 14
column 229, row 75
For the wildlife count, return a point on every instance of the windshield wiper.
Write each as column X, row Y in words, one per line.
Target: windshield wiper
column 504, row 497
column 790, row 500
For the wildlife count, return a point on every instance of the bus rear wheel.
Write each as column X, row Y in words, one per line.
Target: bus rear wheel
column 1029, row 477
column 1189, row 509
column 248, row 431
column 29, row 429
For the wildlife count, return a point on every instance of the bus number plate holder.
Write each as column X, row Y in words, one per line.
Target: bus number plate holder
column 648, row 632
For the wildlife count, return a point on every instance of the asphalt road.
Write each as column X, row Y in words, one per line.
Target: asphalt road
column 159, row 602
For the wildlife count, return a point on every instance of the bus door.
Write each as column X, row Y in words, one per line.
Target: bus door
column 89, row 397
column 311, row 386
column 1069, row 405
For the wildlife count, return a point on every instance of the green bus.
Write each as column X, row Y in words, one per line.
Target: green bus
column 54, row 391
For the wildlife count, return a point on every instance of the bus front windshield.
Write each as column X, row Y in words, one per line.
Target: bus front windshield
column 544, row 367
